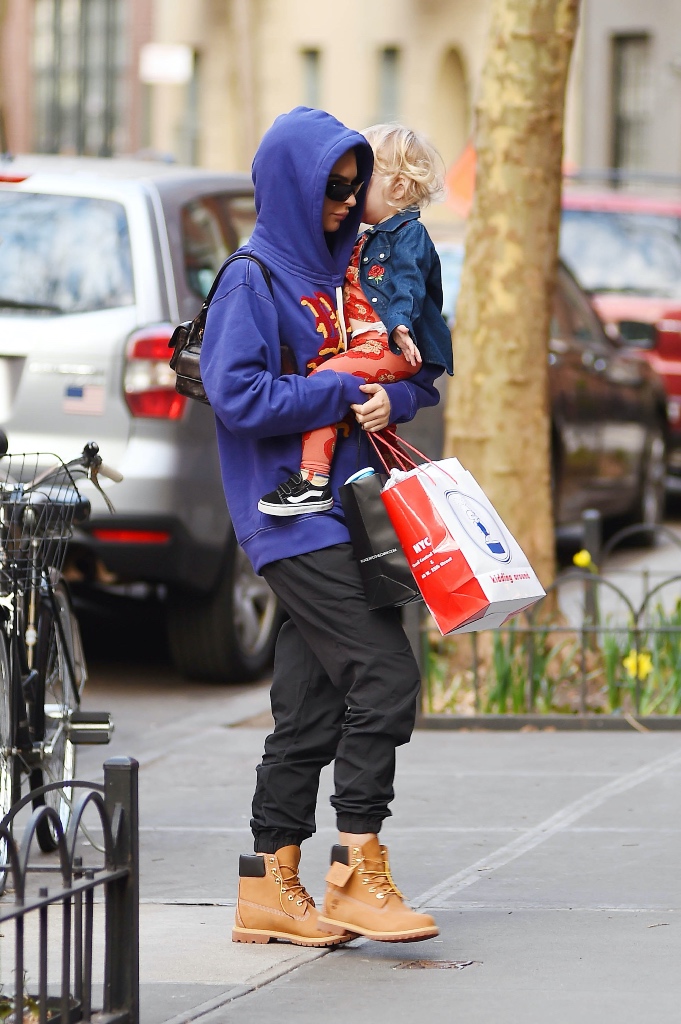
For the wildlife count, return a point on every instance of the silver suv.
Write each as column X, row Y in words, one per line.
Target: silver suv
column 98, row 260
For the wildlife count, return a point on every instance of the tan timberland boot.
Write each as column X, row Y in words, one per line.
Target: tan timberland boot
column 362, row 897
column 273, row 904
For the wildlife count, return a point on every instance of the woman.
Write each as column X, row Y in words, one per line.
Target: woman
column 345, row 680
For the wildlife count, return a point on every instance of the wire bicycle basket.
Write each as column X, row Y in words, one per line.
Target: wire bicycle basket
column 38, row 507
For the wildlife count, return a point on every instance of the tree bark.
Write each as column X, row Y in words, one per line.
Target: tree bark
column 497, row 418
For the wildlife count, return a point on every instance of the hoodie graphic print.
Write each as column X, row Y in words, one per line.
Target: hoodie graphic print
column 258, row 348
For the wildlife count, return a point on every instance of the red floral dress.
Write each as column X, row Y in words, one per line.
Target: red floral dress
column 358, row 310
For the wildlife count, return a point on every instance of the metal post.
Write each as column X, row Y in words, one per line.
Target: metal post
column 592, row 537
column 476, row 671
column 78, row 932
column 121, row 980
column 529, row 683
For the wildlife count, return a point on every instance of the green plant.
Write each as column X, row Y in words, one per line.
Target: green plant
column 30, row 1009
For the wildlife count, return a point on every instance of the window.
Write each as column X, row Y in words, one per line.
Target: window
column 311, row 78
column 626, row 252
column 585, row 327
column 212, row 228
column 79, row 62
column 631, row 102
column 388, row 84
column 63, row 254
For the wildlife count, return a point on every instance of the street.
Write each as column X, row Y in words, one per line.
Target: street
column 548, row 859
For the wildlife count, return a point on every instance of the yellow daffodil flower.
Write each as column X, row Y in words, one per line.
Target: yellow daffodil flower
column 582, row 559
column 638, row 667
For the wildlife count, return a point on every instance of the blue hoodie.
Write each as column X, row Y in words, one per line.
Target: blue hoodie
column 257, row 347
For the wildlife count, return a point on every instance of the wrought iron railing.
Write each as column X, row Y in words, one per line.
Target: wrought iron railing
column 117, row 879
column 593, row 649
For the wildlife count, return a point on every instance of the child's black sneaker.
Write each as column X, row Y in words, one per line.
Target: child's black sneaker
column 296, row 496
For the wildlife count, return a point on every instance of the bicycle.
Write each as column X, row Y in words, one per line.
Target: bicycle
column 42, row 666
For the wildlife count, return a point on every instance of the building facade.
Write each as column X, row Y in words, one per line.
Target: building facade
column 393, row 59
column 72, row 83
column 68, row 75
column 631, row 84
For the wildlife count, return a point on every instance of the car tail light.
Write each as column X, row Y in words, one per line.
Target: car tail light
column 113, row 536
column 13, row 179
column 669, row 338
column 149, row 383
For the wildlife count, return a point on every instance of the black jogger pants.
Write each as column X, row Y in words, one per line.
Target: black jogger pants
column 345, row 686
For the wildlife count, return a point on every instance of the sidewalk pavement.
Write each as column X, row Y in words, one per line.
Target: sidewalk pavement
column 550, row 861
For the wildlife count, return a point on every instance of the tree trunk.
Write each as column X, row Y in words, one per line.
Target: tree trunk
column 497, row 415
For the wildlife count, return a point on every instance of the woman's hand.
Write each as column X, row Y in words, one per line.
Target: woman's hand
column 374, row 414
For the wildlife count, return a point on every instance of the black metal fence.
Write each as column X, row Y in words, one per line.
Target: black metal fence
column 116, row 879
column 598, row 650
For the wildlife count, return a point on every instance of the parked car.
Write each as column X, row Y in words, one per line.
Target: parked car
column 98, row 260
column 608, row 418
column 624, row 246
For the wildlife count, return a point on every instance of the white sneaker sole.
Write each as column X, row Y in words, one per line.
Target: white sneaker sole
column 294, row 510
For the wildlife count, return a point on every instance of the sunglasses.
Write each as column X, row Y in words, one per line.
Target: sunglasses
column 339, row 191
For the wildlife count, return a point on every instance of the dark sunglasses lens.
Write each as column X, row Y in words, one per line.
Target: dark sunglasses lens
column 339, row 191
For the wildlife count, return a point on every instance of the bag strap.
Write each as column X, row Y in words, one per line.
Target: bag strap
column 397, row 454
column 232, row 259
column 403, row 460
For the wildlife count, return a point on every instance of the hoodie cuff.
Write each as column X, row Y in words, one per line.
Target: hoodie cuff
column 350, row 389
column 403, row 405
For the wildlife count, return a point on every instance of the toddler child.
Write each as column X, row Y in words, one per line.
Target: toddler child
column 392, row 298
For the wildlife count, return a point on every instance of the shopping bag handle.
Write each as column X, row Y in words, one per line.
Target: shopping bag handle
column 403, row 461
column 400, row 455
column 397, row 452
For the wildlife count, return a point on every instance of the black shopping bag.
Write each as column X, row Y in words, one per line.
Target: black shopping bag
column 387, row 578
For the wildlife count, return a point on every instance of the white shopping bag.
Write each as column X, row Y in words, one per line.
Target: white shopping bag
column 471, row 571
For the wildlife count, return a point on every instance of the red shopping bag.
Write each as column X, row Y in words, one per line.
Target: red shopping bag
column 448, row 584
column 471, row 571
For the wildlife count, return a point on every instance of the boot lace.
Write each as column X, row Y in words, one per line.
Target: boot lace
column 376, row 874
column 291, row 888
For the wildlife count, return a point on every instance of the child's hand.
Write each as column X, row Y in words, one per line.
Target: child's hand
column 405, row 343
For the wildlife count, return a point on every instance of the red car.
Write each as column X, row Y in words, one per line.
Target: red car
column 625, row 249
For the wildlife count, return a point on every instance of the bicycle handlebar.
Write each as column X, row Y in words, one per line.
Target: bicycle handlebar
column 89, row 462
column 110, row 473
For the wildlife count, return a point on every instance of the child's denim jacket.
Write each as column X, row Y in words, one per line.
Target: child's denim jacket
column 399, row 272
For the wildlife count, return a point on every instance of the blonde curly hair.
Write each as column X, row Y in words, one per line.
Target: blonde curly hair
column 400, row 153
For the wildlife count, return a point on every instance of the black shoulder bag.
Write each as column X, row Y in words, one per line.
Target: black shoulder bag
column 188, row 337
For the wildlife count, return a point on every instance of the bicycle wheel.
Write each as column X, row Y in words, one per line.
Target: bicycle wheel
column 55, row 701
column 9, row 766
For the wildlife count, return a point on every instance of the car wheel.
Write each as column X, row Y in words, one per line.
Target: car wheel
column 650, row 503
column 229, row 635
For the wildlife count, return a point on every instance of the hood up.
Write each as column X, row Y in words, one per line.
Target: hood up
column 290, row 171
